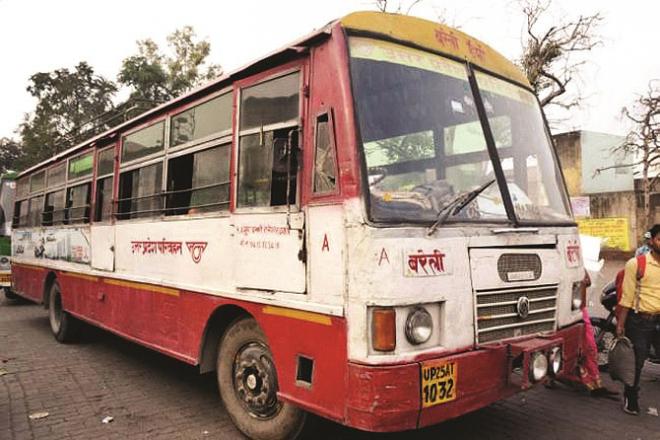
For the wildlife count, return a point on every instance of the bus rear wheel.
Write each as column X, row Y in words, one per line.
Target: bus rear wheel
column 64, row 326
column 247, row 380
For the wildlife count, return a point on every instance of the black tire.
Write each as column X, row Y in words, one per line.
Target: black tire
column 604, row 334
column 65, row 327
column 11, row 295
column 247, row 380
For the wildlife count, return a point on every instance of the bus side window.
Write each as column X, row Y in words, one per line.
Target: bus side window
column 105, row 167
column 325, row 161
column 77, row 203
column 54, row 208
column 34, row 211
column 199, row 181
column 140, row 192
column 268, row 142
column 103, row 199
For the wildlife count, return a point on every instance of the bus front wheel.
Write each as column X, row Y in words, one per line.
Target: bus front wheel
column 247, row 380
column 11, row 295
column 64, row 326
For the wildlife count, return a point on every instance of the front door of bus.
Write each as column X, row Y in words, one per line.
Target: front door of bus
column 268, row 225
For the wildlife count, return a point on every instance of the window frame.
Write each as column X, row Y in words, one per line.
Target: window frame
column 77, row 221
column 16, row 219
column 140, row 162
column 166, row 128
column 68, row 181
column 45, row 184
column 116, row 214
column 39, row 216
column 63, row 164
column 333, row 144
column 224, row 208
column 98, row 177
column 65, row 210
column 205, row 139
column 291, row 123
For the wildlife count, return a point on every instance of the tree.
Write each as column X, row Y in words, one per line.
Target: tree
column 69, row 104
column 11, row 154
column 549, row 54
column 383, row 5
column 642, row 144
column 155, row 78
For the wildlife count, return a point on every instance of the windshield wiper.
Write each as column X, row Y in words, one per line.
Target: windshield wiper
column 456, row 205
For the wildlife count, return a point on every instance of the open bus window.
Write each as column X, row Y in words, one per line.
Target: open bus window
column 199, row 181
column 34, row 211
column 54, row 208
column 20, row 214
column 78, row 203
column 140, row 192
column 103, row 199
column 325, row 162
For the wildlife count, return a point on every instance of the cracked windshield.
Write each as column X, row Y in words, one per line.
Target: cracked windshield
column 425, row 148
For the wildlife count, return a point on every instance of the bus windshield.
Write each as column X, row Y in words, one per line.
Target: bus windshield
column 424, row 144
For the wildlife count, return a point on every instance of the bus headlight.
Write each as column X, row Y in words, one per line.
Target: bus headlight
column 419, row 326
column 539, row 366
column 555, row 360
column 4, row 263
column 576, row 297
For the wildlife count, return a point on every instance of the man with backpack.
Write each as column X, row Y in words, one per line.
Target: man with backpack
column 639, row 310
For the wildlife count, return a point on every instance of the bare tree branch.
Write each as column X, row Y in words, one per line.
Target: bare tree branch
column 642, row 143
column 548, row 57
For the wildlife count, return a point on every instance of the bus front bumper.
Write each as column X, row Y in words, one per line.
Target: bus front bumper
column 397, row 398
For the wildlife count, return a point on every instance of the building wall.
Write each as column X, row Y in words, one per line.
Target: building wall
column 598, row 152
column 610, row 193
column 570, row 158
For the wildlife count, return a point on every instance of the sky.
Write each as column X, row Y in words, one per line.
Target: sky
column 44, row 35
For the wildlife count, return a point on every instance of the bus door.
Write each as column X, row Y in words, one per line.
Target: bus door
column 269, row 236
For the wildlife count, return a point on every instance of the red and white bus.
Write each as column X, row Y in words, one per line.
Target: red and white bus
column 369, row 224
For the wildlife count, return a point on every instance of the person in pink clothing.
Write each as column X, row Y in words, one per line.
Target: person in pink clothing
column 589, row 373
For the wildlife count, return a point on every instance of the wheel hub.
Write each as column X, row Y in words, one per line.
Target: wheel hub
column 255, row 381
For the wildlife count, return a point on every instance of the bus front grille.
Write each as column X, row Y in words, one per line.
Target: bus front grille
column 501, row 313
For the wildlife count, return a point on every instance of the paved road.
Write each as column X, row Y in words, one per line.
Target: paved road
column 153, row 397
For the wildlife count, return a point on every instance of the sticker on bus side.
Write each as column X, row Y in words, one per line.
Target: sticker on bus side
column 439, row 382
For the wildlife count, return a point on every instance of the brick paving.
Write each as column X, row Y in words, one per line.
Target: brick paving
column 151, row 396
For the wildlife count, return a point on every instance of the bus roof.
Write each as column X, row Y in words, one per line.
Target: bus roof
column 436, row 37
column 419, row 32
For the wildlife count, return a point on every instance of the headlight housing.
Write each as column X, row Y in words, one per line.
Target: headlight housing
column 538, row 367
column 556, row 360
column 4, row 263
column 419, row 326
column 576, row 295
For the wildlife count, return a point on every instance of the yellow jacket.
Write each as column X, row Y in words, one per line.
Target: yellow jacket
column 649, row 297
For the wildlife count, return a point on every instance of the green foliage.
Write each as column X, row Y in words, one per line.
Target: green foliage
column 73, row 105
column 154, row 77
column 5, row 245
column 11, row 155
column 69, row 103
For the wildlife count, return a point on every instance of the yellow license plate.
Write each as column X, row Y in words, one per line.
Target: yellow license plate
column 5, row 278
column 439, row 382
